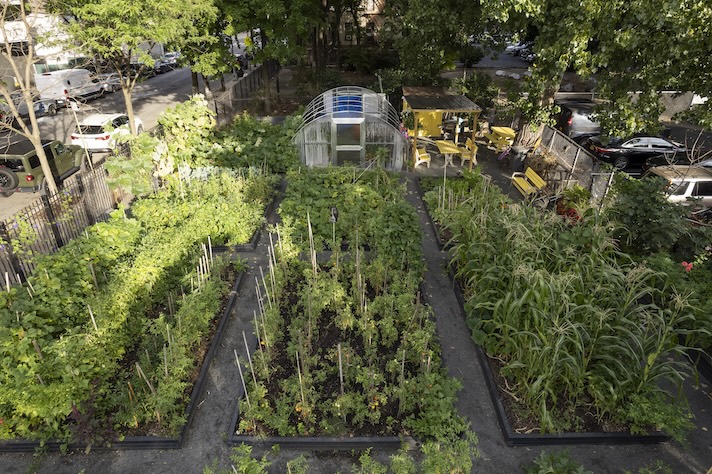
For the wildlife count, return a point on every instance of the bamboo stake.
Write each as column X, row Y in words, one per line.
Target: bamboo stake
column 242, row 378
column 165, row 360
column 210, row 248
column 93, row 321
column 301, row 384
column 249, row 358
column 259, row 345
column 341, row 375
column 93, row 275
column 145, row 379
column 30, row 285
column 37, row 349
column 7, row 282
column 29, row 292
column 264, row 284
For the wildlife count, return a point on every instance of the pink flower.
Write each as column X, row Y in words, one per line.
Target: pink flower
column 686, row 266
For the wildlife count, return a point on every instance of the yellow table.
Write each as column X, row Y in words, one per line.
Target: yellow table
column 448, row 149
column 501, row 137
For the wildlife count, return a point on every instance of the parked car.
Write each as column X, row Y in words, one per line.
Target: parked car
column 686, row 184
column 98, row 132
column 514, row 49
column 638, row 152
column 161, row 66
column 575, row 119
column 20, row 169
column 139, row 69
column 110, row 82
column 41, row 107
column 171, row 58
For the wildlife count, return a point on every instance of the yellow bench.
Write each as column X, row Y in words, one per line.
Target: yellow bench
column 528, row 183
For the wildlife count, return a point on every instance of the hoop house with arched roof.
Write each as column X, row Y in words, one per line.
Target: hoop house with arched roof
column 347, row 125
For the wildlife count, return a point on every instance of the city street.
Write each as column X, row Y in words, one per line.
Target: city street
column 149, row 99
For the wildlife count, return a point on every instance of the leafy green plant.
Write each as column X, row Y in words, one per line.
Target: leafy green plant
column 558, row 462
column 647, row 222
column 479, row 87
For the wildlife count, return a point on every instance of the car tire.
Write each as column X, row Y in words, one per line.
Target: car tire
column 621, row 162
column 52, row 109
column 6, row 194
column 8, row 180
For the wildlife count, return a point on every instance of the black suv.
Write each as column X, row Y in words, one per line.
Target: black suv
column 20, row 169
column 575, row 120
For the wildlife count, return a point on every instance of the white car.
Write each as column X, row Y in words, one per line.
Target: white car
column 98, row 132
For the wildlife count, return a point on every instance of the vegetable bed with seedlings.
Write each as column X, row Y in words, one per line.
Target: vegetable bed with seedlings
column 346, row 348
column 106, row 340
column 578, row 336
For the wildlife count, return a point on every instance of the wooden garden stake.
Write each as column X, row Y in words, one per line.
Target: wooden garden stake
column 29, row 283
column 242, row 378
column 259, row 344
column 37, row 349
column 93, row 275
column 145, row 379
column 299, row 373
column 7, row 282
column 165, row 360
column 264, row 284
column 210, row 248
column 249, row 358
column 93, row 321
column 29, row 292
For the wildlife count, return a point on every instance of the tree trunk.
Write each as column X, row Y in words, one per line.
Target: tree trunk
column 196, row 85
column 126, row 91
column 222, row 83
column 208, row 90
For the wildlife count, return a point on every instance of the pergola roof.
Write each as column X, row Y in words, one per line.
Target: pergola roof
column 437, row 99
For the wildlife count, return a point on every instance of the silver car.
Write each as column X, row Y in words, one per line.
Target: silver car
column 110, row 82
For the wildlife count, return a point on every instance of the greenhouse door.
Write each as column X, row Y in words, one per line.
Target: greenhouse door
column 348, row 144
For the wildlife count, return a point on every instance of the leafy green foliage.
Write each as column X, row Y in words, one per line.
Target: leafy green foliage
column 101, row 333
column 347, row 339
column 479, row 88
column 555, row 463
column 186, row 127
column 647, row 221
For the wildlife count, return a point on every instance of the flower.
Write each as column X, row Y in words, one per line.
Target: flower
column 687, row 266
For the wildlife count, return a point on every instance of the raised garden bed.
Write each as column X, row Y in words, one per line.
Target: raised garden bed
column 498, row 262
column 347, row 355
column 151, row 442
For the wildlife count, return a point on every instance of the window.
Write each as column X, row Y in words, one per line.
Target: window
column 659, row 143
column 703, row 188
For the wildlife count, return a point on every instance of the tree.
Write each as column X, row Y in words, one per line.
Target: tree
column 124, row 32
column 629, row 45
column 18, row 29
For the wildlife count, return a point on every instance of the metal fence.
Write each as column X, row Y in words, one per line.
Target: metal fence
column 242, row 93
column 573, row 165
column 53, row 220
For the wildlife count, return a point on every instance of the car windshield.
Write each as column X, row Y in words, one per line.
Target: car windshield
column 91, row 129
column 677, row 189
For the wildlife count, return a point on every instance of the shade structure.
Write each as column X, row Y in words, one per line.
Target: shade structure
column 351, row 125
column 429, row 104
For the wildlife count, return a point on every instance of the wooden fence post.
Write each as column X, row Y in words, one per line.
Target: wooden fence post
column 52, row 221
column 14, row 261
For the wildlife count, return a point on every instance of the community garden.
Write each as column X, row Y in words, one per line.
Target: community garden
column 584, row 328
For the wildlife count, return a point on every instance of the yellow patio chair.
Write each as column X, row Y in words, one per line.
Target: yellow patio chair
column 469, row 152
column 421, row 156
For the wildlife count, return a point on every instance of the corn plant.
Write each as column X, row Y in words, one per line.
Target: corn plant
column 576, row 323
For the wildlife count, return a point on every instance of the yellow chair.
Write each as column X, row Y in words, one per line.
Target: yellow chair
column 469, row 152
column 421, row 156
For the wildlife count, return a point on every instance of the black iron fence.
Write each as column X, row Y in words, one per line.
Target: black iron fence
column 244, row 92
column 53, row 220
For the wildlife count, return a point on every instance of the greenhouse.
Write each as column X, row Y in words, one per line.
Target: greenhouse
column 349, row 125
